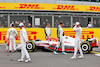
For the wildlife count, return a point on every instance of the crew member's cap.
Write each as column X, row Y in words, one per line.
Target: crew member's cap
column 77, row 23
column 11, row 24
column 21, row 24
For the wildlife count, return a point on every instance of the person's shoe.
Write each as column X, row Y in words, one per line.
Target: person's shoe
column 73, row 57
column 54, row 52
column 64, row 53
column 15, row 51
column 6, row 50
column 81, row 57
column 28, row 60
column 11, row 50
column 20, row 60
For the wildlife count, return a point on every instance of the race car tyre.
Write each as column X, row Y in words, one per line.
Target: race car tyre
column 30, row 46
column 37, row 40
column 86, row 47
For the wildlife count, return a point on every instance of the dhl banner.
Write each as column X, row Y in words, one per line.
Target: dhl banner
column 48, row 7
column 38, row 33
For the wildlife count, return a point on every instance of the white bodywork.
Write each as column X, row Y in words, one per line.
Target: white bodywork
column 68, row 41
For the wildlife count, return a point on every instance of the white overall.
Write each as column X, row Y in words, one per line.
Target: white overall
column 77, row 40
column 23, row 39
column 11, row 34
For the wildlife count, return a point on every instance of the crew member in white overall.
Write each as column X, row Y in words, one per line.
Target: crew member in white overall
column 11, row 35
column 47, row 30
column 60, row 34
column 78, row 31
column 24, row 41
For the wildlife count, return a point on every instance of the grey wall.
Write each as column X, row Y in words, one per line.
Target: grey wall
column 51, row 1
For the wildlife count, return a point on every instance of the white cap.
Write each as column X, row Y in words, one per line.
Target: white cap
column 21, row 24
column 77, row 23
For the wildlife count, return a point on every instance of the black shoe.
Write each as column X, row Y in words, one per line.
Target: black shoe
column 11, row 50
column 15, row 51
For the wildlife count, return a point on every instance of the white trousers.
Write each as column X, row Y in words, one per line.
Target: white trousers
column 62, row 43
column 77, row 46
column 7, row 46
column 12, row 44
column 24, row 51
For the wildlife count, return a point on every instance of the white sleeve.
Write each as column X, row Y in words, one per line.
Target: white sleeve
column 8, row 33
column 60, row 32
column 88, row 25
column 49, row 33
column 16, row 33
column 24, row 35
column 75, row 29
column 46, row 31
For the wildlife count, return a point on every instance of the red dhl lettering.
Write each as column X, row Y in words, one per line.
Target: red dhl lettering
column 31, row 35
column 2, row 7
column 30, row 6
column 85, row 34
column 95, row 8
column 66, row 7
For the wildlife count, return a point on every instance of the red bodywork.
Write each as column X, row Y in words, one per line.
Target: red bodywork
column 94, row 44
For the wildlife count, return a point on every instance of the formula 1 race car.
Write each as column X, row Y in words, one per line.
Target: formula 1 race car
column 69, row 42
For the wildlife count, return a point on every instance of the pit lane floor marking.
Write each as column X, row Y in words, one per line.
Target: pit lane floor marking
column 95, row 52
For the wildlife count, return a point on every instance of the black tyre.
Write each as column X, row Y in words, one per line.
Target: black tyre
column 30, row 46
column 37, row 40
column 86, row 47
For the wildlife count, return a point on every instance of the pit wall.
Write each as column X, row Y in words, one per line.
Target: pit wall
column 38, row 33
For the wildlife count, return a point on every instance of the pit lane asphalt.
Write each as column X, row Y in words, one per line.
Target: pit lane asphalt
column 48, row 59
